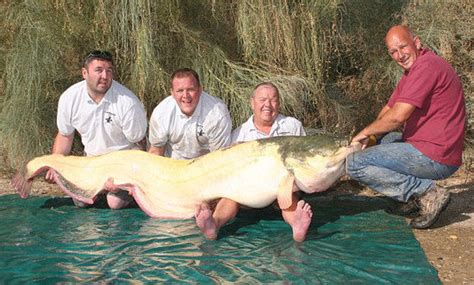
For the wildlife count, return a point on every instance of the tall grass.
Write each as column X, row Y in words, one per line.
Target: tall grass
column 34, row 74
column 449, row 32
column 326, row 56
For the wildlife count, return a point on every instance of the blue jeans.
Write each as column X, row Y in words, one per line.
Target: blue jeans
column 396, row 169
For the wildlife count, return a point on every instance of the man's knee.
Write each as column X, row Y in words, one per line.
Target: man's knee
column 118, row 200
column 357, row 164
column 350, row 165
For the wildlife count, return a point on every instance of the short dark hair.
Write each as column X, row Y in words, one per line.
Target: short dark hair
column 185, row 72
column 97, row 54
column 268, row 84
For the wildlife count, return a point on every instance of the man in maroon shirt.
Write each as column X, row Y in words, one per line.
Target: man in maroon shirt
column 428, row 104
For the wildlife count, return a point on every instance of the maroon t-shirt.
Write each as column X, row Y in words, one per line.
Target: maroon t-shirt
column 436, row 127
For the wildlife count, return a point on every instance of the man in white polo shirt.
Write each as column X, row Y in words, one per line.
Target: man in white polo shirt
column 107, row 116
column 190, row 122
column 265, row 122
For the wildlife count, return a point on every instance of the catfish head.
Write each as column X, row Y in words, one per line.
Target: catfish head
column 315, row 161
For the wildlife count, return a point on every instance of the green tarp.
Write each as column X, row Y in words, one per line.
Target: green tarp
column 351, row 241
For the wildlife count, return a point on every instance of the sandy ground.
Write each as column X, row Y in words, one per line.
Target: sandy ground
column 449, row 244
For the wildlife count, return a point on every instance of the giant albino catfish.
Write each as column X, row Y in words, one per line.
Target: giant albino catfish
column 253, row 174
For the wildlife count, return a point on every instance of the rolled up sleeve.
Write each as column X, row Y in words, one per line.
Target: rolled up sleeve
column 63, row 119
column 158, row 132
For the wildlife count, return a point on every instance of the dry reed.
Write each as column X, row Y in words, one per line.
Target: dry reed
column 326, row 56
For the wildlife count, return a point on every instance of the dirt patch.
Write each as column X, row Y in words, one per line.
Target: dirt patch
column 448, row 245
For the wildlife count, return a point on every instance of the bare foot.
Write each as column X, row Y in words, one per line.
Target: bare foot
column 206, row 222
column 301, row 221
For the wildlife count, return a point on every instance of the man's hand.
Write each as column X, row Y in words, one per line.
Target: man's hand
column 157, row 150
column 362, row 139
column 50, row 176
column 62, row 145
column 141, row 145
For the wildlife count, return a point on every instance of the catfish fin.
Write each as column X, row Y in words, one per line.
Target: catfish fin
column 136, row 192
column 142, row 200
column 21, row 184
column 343, row 152
column 153, row 208
column 75, row 192
column 285, row 191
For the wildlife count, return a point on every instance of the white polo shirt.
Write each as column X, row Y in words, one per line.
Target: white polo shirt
column 116, row 123
column 282, row 126
column 208, row 129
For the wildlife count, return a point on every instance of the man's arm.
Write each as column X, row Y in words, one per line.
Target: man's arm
column 221, row 134
column 62, row 145
column 134, row 125
column 389, row 119
column 300, row 129
column 383, row 111
column 160, row 128
column 157, row 150
column 141, row 145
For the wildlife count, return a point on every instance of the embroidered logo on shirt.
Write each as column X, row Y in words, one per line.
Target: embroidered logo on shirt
column 108, row 117
column 200, row 134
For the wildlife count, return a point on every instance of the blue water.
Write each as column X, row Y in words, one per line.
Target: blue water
column 49, row 241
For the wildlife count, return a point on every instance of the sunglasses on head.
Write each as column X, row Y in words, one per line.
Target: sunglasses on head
column 99, row 54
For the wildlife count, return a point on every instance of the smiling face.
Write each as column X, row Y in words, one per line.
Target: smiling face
column 98, row 75
column 186, row 91
column 403, row 47
column 265, row 105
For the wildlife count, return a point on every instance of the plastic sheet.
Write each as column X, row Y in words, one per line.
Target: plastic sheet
column 351, row 240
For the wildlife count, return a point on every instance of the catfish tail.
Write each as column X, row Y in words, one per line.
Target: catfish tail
column 21, row 184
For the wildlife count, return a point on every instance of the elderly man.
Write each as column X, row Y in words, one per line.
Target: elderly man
column 428, row 103
column 107, row 116
column 265, row 122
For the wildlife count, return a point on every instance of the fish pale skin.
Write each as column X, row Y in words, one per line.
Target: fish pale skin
column 253, row 174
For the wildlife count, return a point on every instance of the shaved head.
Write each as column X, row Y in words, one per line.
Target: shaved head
column 399, row 30
column 403, row 46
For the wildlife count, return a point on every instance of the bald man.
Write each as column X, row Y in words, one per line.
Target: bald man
column 428, row 106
